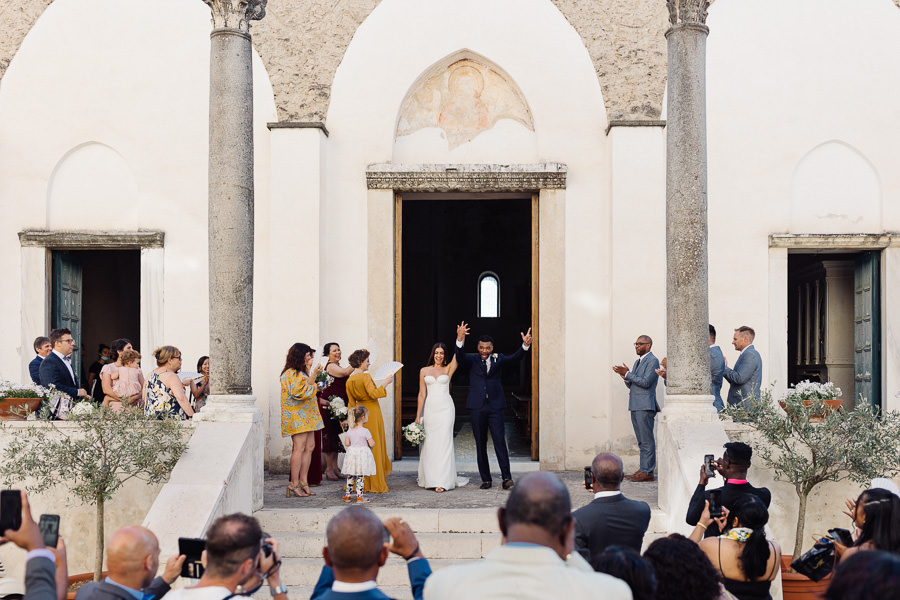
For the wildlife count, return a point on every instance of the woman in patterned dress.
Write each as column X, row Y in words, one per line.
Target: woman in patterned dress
column 300, row 417
column 163, row 392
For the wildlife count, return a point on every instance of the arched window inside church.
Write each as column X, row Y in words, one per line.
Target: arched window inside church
column 488, row 295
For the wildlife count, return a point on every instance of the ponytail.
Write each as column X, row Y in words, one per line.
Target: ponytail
column 755, row 555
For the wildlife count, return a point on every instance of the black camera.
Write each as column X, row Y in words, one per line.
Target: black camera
column 266, row 545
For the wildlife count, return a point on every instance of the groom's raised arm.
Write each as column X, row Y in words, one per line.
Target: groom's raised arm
column 462, row 330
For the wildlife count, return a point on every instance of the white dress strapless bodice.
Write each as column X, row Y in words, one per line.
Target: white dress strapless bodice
column 437, row 458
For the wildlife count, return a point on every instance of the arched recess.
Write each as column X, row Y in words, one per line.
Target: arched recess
column 835, row 189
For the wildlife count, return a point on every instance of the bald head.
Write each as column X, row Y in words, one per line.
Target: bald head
column 607, row 471
column 539, row 499
column 355, row 539
column 132, row 556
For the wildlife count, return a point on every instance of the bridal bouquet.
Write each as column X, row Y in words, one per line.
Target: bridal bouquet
column 414, row 433
column 337, row 408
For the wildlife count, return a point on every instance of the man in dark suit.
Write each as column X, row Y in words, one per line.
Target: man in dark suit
column 611, row 519
column 357, row 548
column 57, row 370
column 641, row 383
column 42, row 348
column 746, row 377
column 733, row 467
column 486, row 401
column 132, row 558
column 716, row 369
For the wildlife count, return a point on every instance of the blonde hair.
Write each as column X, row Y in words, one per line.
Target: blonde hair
column 130, row 356
column 355, row 414
column 164, row 354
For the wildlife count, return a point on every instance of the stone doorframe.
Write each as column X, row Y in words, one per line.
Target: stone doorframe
column 548, row 182
column 889, row 244
column 36, row 245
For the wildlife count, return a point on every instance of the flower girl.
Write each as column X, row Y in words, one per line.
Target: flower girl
column 359, row 461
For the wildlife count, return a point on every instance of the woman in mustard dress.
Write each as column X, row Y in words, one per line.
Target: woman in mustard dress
column 300, row 414
column 361, row 390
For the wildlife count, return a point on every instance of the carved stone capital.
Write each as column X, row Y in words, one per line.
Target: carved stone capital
column 236, row 14
column 687, row 12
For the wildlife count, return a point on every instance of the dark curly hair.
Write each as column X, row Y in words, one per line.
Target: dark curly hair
column 626, row 564
column 871, row 575
column 683, row 572
column 296, row 358
column 357, row 358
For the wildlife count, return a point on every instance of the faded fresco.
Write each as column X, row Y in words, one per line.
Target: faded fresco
column 463, row 100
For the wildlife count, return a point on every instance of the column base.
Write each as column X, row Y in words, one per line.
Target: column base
column 695, row 408
column 230, row 409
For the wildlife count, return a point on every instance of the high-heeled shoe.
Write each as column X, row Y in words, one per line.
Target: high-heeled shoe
column 305, row 487
column 291, row 489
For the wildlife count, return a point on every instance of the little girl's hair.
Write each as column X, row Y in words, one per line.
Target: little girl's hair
column 356, row 414
column 130, row 356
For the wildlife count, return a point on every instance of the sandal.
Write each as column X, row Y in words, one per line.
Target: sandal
column 362, row 500
column 305, row 487
column 346, row 497
column 292, row 489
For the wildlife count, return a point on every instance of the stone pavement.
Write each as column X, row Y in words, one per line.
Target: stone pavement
column 405, row 493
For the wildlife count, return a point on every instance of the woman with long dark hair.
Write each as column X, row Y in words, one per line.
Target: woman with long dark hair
column 335, row 386
column 299, row 414
column 747, row 561
column 437, row 413
column 877, row 516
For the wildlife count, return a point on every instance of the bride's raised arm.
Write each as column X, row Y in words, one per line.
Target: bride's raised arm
column 452, row 366
column 420, row 406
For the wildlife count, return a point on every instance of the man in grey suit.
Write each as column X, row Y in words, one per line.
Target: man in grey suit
column 611, row 519
column 716, row 369
column 746, row 377
column 641, row 383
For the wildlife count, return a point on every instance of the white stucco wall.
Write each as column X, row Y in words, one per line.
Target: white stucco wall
column 103, row 122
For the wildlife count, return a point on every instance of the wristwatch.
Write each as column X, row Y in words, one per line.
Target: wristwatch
column 281, row 589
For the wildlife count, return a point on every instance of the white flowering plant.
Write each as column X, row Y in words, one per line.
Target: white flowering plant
column 49, row 394
column 414, row 433
column 811, row 390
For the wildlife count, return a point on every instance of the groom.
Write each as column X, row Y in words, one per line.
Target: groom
column 486, row 401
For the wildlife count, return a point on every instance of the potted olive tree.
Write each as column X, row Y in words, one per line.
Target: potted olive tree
column 92, row 454
column 810, row 442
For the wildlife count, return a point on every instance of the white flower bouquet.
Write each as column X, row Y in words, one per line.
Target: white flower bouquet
column 414, row 433
column 337, row 408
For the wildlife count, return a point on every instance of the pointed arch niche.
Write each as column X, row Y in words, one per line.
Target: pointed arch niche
column 463, row 95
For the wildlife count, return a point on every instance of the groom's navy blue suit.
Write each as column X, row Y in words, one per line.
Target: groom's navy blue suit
column 486, row 403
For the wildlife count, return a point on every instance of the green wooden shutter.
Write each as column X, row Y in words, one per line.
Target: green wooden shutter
column 66, row 303
column 867, row 329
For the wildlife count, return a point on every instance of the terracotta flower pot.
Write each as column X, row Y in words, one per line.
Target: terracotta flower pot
column 81, row 578
column 795, row 586
column 832, row 403
column 9, row 407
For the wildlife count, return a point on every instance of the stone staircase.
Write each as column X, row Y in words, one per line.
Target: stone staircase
column 446, row 536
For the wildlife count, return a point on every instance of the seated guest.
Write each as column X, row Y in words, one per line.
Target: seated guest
column 132, row 558
column 733, row 468
column 235, row 559
column 42, row 575
column 357, row 548
column 877, row 516
column 682, row 570
column 626, row 564
column 536, row 559
column 866, row 575
column 747, row 561
column 42, row 348
column 611, row 518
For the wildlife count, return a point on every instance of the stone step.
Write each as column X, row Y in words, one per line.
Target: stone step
column 434, row 545
column 465, row 520
column 305, row 571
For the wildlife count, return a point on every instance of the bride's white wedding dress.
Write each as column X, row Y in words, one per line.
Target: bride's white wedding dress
column 437, row 460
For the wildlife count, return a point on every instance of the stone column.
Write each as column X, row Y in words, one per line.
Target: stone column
column 231, row 201
column 687, row 306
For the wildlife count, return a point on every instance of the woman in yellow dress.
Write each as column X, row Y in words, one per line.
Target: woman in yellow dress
column 361, row 390
column 300, row 417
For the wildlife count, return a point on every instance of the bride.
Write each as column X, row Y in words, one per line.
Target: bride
column 436, row 412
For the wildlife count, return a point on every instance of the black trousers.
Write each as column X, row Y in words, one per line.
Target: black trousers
column 483, row 419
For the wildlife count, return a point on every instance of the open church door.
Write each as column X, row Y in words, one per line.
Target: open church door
column 867, row 329
column 65, row 309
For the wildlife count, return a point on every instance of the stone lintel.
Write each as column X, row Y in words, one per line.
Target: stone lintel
column 466, row 177
column 825, row 242
column 634, row 123
column 297, row 125
column 92, row 240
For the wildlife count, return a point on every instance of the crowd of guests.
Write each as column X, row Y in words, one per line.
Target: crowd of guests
column 546, row 551
column 116, row 380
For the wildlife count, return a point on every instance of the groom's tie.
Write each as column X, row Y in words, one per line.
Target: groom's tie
column 486, row 365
